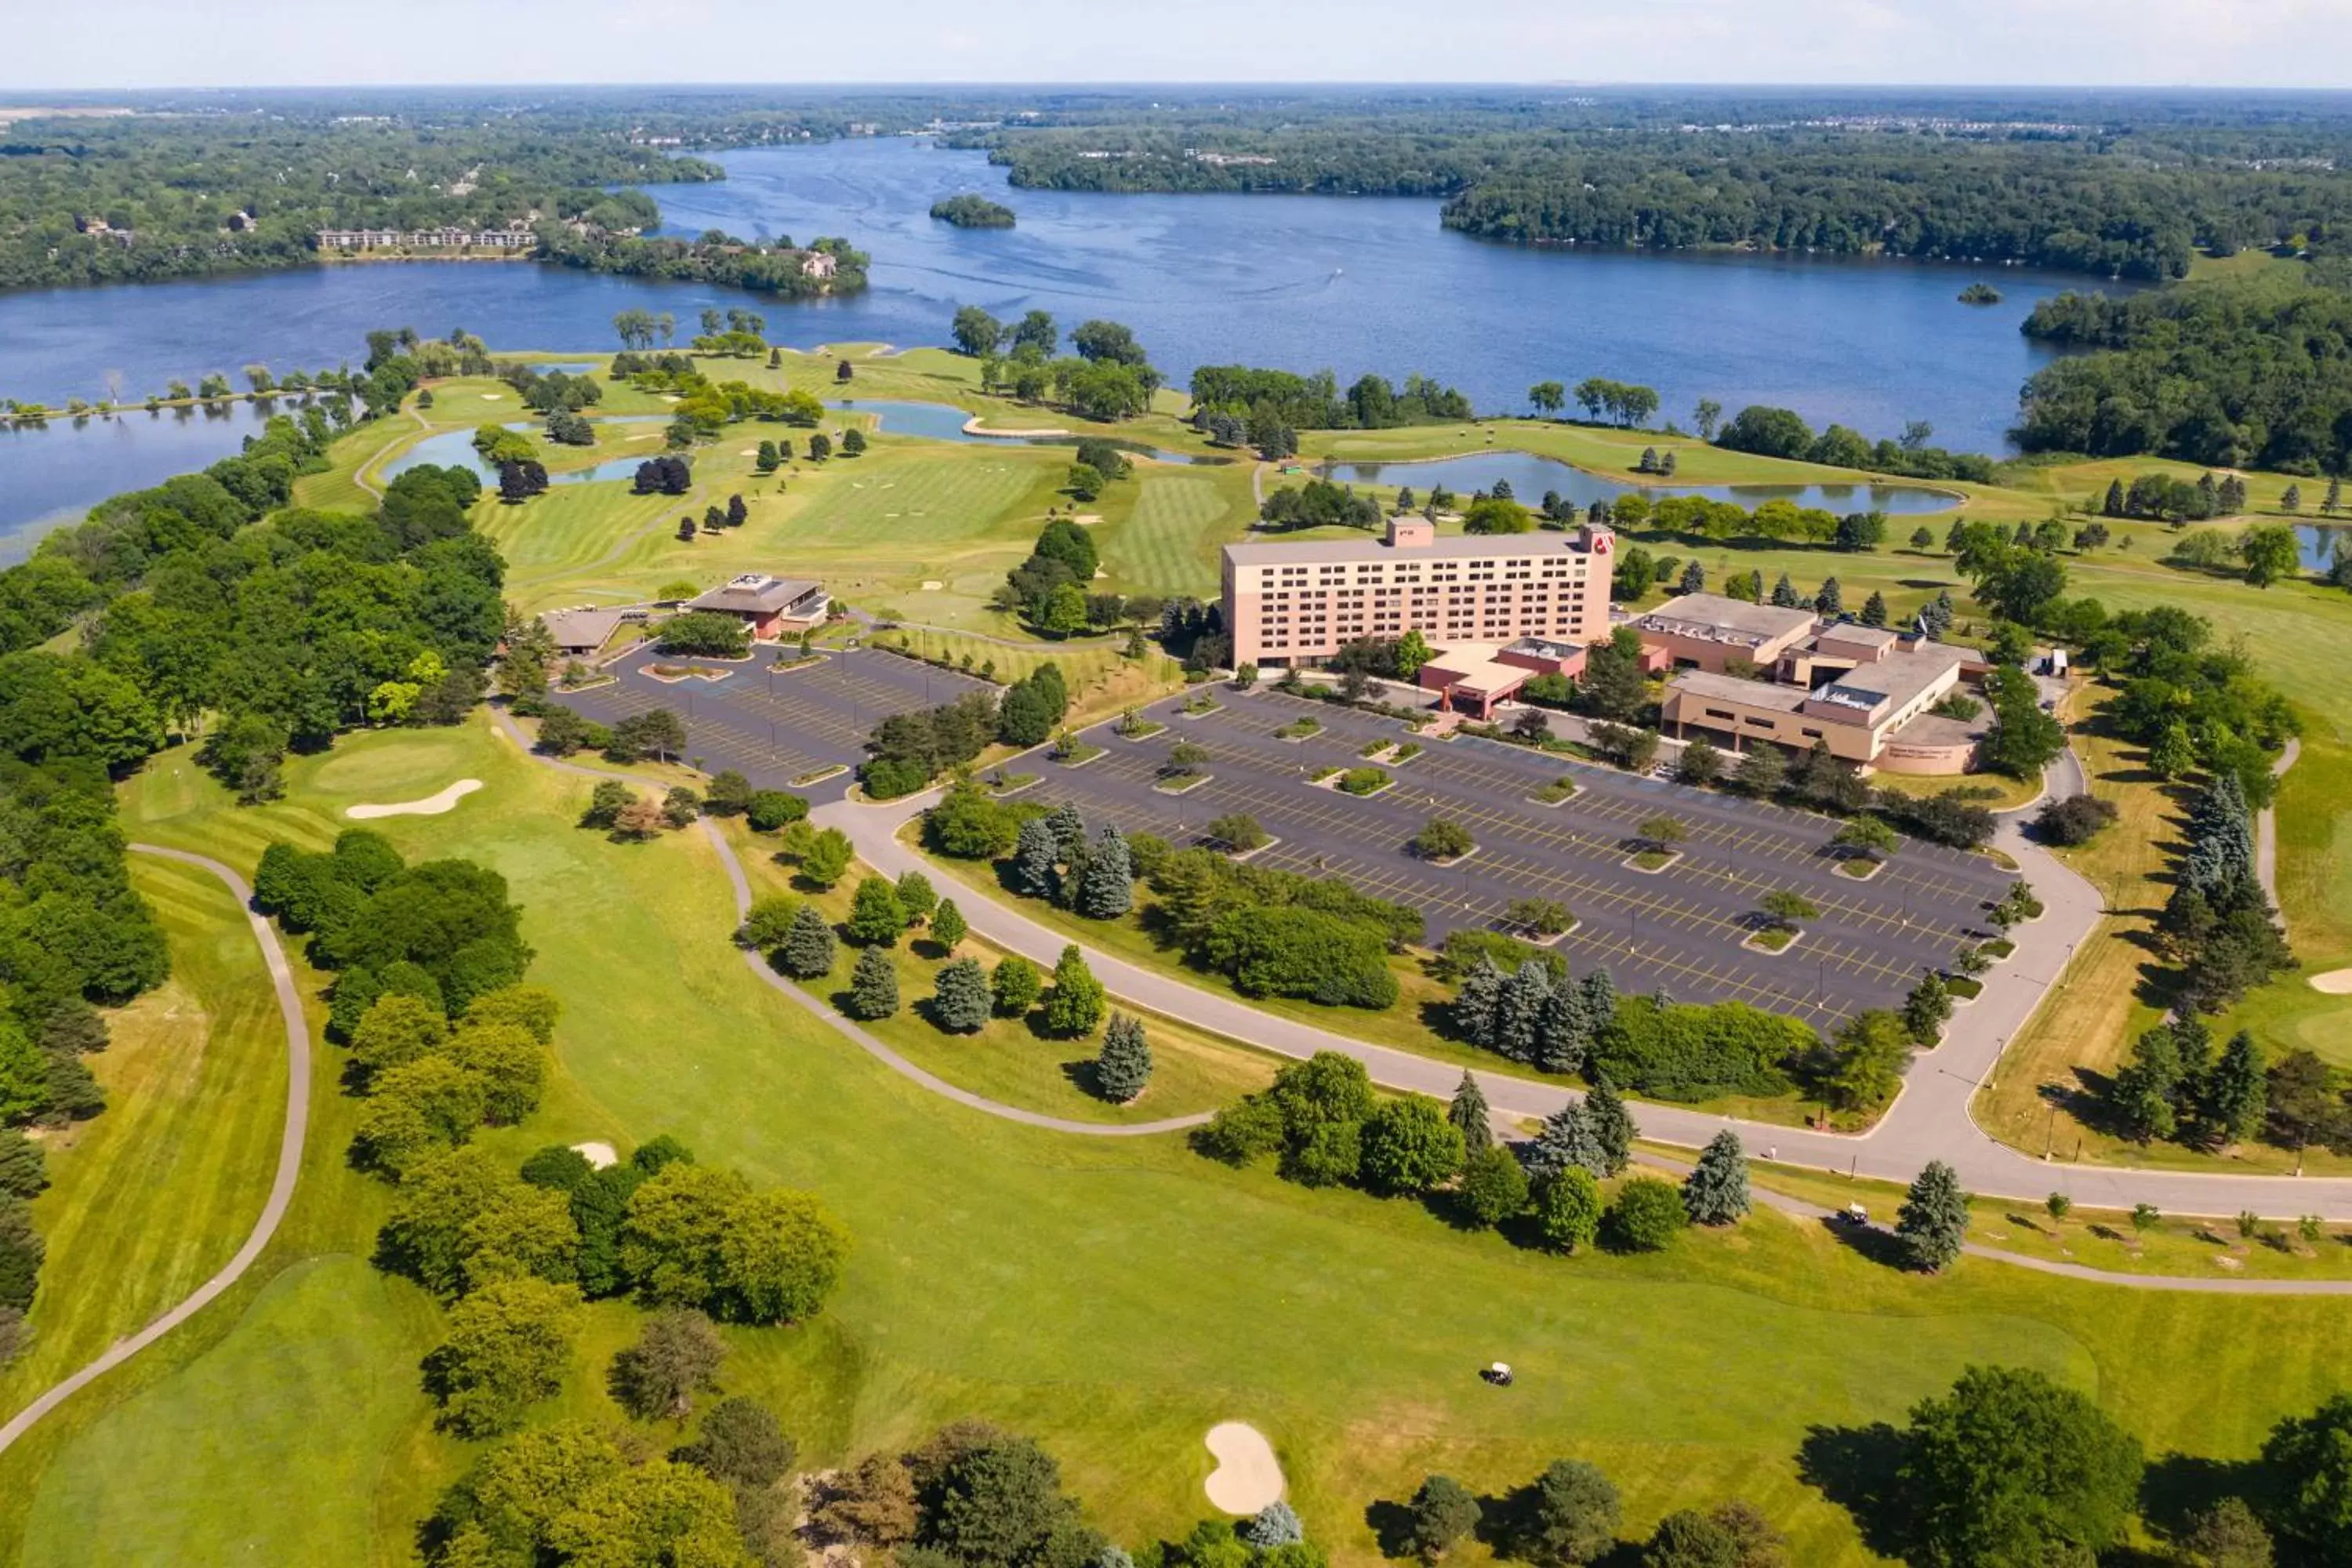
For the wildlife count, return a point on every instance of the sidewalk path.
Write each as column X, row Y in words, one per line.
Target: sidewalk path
column 281, row 1187
column 2266, row 831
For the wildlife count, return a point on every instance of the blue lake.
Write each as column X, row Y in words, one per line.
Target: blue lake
column 1302, row 282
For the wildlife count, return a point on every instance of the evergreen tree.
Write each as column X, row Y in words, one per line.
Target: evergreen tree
column 1694, row 579
column 1477, row 1001
column 1715, row 1192
column 2145, row 1093
column 1830, row 600
column 961, row 1003
column 1566, row 1140
column 1035, row 856
column 1873, row 609
column 1108, row 890
column 2235, row 1093
column 1564, row 1035
column 1069, row 830
column 1076, row 1004
column 947, row 928
column 873, row 985
column 808, row 947
column 1612, row 1127
column 1519, row 1012
column 1600, row 1001
column 1468, row 1112
column 1761, row 772
column 1934, row 1219
column 2220, row 856
column 2114, row 506
column 1123, row 1070
column 2333, row 502
column 1936, row 619
column 1784, row 593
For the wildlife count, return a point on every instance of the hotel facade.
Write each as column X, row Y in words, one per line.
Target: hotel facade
column 1298, row 604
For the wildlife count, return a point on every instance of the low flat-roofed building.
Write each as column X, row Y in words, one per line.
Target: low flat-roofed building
column 1298, row 603
column 580, row 633
column 775, row 606
column 1707, row 631
column 1471, row 678
column 1862, row 713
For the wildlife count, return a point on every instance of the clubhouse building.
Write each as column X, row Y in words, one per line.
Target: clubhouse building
column 1865, row 692
column 772, row 608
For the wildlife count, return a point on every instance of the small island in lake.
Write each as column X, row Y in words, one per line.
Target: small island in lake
column 972, row 212
column 1979, row 294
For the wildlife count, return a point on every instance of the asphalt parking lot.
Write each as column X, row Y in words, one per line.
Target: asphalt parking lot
column 1678, row 930
column 777, row 726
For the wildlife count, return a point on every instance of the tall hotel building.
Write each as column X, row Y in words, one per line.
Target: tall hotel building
column 1293, row 604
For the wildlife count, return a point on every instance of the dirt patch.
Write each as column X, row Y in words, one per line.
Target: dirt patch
column 434, row 805
column 1248, row 1478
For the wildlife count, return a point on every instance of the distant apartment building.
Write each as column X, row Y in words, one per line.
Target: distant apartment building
column 1295, row 604
column 445, row 238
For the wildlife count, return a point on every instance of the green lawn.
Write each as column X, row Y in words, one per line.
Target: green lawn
column 1114, row 1297
column 1169, row 543
column 151, row 1198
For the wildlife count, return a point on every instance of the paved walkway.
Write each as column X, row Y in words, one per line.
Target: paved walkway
column 281, row 1185
column 1930, row 1119
column 2217, row 1285
column 2266, row 831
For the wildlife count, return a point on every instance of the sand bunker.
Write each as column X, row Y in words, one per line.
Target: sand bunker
column 433, row 805
column 1247, row 1478
column 932, row 584
column 600, row 1155
column 2334, row 982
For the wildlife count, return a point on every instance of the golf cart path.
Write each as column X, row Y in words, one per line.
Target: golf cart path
column 281, row 1185
column 742, row 887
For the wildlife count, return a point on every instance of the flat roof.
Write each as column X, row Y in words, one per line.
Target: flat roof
column 1762, row 694
column 581, row 628
column 1713, row 612
column 1854, row 632
column 1447, row 546
column 1897, row 678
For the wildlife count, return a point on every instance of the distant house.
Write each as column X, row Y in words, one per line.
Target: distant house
column 817, row 264
column 446, row 237
column 773, row 607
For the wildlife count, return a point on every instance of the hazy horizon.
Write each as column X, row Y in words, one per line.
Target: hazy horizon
column 2084, row 45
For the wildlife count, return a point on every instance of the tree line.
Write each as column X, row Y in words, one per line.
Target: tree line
column 2235, row 373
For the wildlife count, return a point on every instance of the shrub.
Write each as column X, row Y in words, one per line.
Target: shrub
column 769, row 809
column 1409, row 1147
column 1692, row 1052
column 1076, row 1004
column 2076, row 819
column 706, row 633
column 1646, row 1214
column 1493, row 1185
column 1440, row 840
column 1238, row 831
column 1016, row 986
column 1362, row 780
column 1568, row 1208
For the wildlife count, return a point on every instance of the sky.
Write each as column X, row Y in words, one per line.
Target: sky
column 317, row 43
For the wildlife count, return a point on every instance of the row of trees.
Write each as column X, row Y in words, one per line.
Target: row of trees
column 1109, row 377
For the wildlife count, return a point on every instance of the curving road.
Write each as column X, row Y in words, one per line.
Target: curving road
column 281, row 1185
column 1930, row 1119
